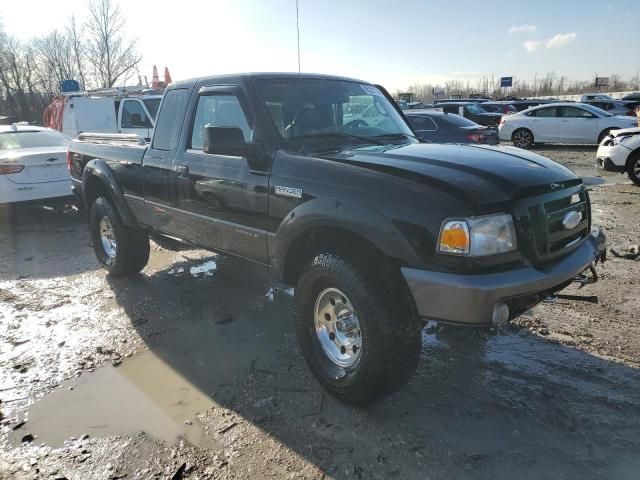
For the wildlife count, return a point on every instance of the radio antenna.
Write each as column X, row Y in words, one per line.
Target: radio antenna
column 298, row 31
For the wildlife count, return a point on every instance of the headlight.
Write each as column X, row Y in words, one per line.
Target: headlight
column 620, row 138
column 478, row 236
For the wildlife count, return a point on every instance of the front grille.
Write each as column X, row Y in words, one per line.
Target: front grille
column 540, row 223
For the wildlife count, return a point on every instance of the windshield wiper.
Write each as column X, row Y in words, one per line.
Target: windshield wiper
column 395, row 136
column 338, row 135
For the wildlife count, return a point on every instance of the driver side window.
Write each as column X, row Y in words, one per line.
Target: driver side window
column 220, row 111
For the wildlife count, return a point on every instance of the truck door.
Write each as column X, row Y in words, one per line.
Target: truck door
column 222, row 200
column 135, row 119
column 157, row 174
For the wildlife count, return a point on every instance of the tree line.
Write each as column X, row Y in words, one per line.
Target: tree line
column 95, row 52
column 549, row 84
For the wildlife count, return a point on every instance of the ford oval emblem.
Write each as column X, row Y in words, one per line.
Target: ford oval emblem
column 571, row 220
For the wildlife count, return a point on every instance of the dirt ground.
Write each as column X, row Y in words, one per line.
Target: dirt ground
column 192, row 370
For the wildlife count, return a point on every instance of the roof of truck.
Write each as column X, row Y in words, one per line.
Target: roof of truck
column 248, row 76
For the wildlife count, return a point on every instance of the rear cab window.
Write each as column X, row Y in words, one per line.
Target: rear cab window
column 167, row 131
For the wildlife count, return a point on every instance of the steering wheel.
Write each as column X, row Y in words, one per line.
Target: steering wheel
column 357, row 123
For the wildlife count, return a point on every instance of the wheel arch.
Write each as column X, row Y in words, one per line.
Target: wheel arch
column 336, row 226
column 98, row 180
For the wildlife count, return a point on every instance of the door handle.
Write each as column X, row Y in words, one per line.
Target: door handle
column 181, row 170
column 52, row 159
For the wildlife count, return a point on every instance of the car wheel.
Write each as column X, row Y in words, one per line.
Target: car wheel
column 120, row 250
column 633, row 168
column 360, row 340
column 522, row 138
column 603, row 134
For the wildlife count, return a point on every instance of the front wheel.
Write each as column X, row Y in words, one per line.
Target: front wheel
column 633, row 168
column 120, row 250
column 522, row 138
column 360, row 340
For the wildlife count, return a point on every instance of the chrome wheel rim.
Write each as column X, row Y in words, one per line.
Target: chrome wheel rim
column 107, row 238
column 636, row 168
column 337, row 328
column 521, row 138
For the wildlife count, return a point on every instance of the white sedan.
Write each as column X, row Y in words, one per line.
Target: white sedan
column 575, row 123
column 33, row 164
column 620, row 152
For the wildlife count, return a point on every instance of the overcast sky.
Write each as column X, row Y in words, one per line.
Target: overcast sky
column 396, row 43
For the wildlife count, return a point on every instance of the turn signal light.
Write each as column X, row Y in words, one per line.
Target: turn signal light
column 455, row 237
column 9, row 169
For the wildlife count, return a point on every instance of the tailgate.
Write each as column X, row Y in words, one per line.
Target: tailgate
column 40, row 165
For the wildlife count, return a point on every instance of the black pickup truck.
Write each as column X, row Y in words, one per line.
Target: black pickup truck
column 322, row 179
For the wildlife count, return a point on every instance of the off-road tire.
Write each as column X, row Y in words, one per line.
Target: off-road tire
column 522, row 138
column 389, row 324
column 633, row 167
column 132, row 252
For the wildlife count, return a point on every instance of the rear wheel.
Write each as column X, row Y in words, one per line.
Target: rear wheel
column 120, row 250
column 359, row 337
column 633, row 168
column 522, row 138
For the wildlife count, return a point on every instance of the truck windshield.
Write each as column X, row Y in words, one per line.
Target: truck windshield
column 152, row 105
column 315, row 113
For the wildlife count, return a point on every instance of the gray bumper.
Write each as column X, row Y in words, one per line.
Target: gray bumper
column 470, row 299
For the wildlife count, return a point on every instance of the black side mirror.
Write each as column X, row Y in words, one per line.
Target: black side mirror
column 227, row 141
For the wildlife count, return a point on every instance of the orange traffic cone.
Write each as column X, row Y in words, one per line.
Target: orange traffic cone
column 167, row 76
column 155, row 80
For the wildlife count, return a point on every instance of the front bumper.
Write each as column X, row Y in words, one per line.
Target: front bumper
column 472, row 299
column 612, row 158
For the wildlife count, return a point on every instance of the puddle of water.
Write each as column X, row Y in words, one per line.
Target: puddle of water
column 160, row 389
column 143, row 394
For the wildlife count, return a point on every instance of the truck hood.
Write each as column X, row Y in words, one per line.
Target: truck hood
column 480, row 175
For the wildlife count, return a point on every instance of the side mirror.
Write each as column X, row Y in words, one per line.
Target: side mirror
column 227, row 141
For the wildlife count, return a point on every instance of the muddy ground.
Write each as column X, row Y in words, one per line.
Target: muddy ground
column 191, row 370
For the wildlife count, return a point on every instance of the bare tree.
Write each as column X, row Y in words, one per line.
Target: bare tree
column 111, row 56
column 55, row 59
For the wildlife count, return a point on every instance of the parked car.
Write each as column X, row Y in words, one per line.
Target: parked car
column 521, row 105
column 615, row 107
column 619, row 152
column 33, row 164
column 377, row 231
column 103, row 112
column 439, row 127
column 458, row 100
column 504, row 108
column 635, row 97
column 470, row 110
column 594, row 96
column 564, row 122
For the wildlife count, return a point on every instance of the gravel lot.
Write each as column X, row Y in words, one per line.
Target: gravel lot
column 191, row 370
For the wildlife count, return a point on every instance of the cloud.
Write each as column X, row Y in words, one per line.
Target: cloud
column 531, row 45
column 522, row 28
column 560, row 40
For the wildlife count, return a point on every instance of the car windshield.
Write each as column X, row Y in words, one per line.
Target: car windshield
column 458, row 121
column 152, row 105
column 319, row 113
column 474, row 108
column 32, row 139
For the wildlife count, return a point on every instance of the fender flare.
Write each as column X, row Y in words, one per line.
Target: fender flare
column 98, row 168
column 349, row 215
